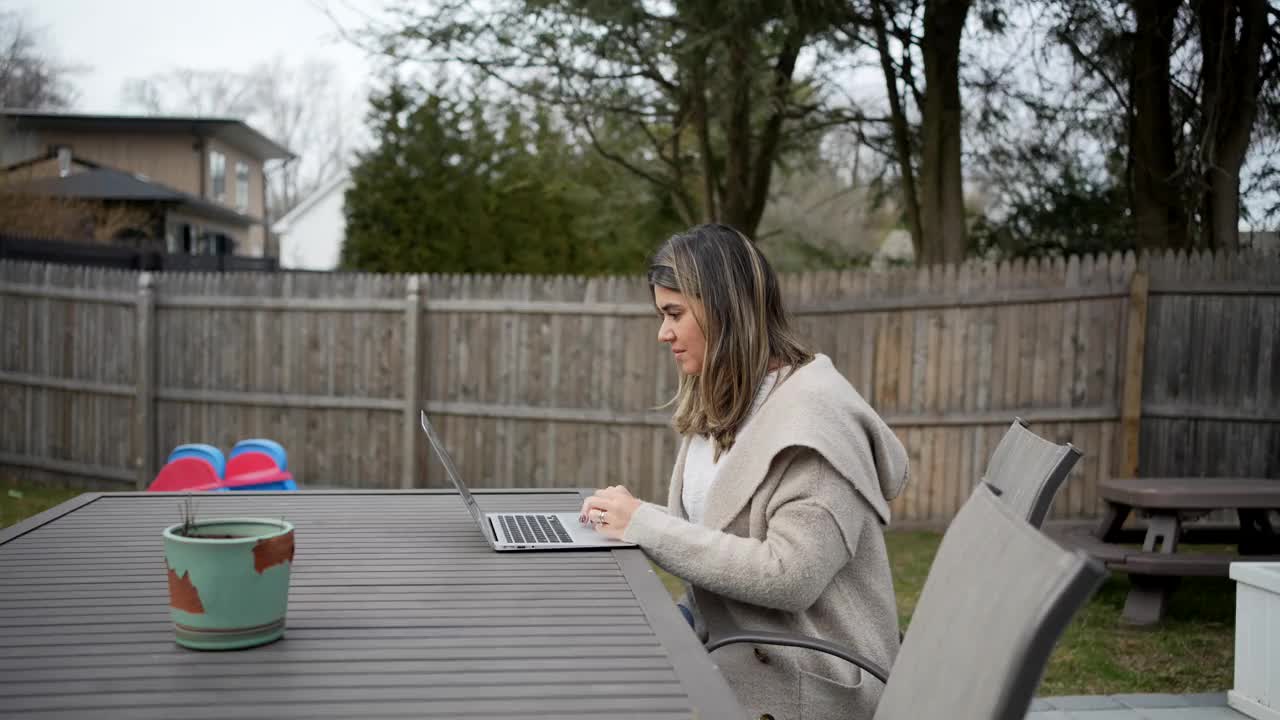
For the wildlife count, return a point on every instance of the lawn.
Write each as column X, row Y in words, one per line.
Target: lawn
column 1190, row 652
column 21, row 501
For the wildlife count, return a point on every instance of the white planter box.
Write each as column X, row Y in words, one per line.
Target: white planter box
column 1257, row 678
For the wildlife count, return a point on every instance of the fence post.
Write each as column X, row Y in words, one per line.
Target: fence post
column 1134, row 355
column 144, row 427
column 412, row 379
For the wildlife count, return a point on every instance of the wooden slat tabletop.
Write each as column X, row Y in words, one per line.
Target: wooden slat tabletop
column 397, row 607
column 1194, row 493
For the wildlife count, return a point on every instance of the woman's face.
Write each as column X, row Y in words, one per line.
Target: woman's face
column 680, row 329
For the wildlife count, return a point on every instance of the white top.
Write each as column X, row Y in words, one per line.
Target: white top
column 699, row 465
column 1263, row 575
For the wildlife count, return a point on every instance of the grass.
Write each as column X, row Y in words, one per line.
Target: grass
column 18, row 502
column 1191, row 651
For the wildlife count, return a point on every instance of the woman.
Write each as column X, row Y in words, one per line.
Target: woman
column 780, row 490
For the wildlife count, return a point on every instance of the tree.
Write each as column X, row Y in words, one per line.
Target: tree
column 26, row 213
column 1232, row 35
column 1065, row 213
column 29, row 77
column 941, row 182
column 195, row 92
column 902, row 135
column 826, row 209
column 302, row 107
column 458, row 185
column 1157, row 202
column 1116, row 94
column 713, row 88
column 1260, row 175
column 928, row 155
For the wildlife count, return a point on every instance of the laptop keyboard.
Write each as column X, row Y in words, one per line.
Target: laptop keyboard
column 534, row 529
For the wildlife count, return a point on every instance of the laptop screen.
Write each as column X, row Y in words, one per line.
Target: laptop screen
column 452, row 472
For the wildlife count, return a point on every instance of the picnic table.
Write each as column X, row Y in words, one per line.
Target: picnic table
column 1168, row 504
column 397, row 607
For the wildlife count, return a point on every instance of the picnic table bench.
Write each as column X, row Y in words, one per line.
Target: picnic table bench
column 1152, row 556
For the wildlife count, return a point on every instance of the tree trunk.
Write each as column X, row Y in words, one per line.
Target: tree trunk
column 1229, row 104
column 1157, row 207
column 710, row 213
column 771, row 134
column 942, row 217
column 749, row 156
column 901, row 133
column 1222, row 209
column 737, row 133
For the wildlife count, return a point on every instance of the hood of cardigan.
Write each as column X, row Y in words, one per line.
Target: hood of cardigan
column 814, row 407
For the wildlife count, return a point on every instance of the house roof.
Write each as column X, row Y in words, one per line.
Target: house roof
column 50, row 155
column 103, row 183
column 229, row 130
column 304, row 207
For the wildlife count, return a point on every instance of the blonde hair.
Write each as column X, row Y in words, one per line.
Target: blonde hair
column 742, row 318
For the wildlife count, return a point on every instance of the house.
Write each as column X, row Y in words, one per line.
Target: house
column 200, row 182
column 102, row 203
column 311, row 234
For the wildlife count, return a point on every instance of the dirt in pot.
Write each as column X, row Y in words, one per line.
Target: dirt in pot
column 204, row 536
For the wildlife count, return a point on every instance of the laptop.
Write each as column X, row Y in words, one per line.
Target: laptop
column 511, row 531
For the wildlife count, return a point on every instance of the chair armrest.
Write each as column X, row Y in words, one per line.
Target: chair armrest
column 801, row 641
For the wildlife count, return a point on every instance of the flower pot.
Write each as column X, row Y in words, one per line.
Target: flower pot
column 229, row 581
column 1257, row 673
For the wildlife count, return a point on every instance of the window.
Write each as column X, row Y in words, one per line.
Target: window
column 242, row 186
column 187, row 239
column 217, row 175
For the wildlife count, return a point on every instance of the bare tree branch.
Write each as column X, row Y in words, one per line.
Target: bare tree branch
column 30, row 77
column 302, row 107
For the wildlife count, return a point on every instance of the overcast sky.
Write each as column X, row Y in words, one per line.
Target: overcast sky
column 112, row 41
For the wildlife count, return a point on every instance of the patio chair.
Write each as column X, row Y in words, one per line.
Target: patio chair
column 998, row 596
column 1027, row 471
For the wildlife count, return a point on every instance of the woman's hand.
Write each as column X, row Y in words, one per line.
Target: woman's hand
column 609, row 510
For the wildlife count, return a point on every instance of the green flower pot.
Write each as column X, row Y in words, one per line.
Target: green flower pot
column 229, row 581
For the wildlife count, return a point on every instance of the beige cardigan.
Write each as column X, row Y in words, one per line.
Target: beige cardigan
column 792, row 541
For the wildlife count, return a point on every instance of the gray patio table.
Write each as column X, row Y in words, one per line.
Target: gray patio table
column 397, row 607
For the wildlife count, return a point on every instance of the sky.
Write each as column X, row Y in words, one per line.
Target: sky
column 111, row 41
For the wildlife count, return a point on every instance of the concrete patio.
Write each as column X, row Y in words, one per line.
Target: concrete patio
column 1205, row 706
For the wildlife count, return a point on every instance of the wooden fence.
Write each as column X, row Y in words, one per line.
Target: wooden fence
column 1155, row 365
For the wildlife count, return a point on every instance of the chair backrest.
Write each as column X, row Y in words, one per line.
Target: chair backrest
column 1026, row 471
column 250, row 462
column 202, row 451
column 186, row 474
column 998, row 596
column 264, row 445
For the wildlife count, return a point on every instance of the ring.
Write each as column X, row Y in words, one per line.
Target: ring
column 600, row 518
